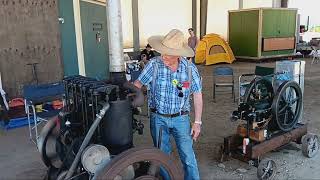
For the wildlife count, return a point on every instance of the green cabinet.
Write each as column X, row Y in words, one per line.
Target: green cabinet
column 262, row 33
column 84, row 41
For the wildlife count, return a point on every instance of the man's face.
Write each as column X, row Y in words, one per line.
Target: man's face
column 190, row 32
column 148, row 49
column 170, row 58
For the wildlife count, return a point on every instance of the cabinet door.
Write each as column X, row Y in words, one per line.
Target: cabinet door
column 287, row 23
column 278, row 23
column 68, row 38
column 270, row 21
column 243, row 33
column 95, row 42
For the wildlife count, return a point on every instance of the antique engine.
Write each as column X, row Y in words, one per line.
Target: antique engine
column 266, row 110
column 96, row 123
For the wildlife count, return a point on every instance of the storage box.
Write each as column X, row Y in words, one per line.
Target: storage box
column 262, row 32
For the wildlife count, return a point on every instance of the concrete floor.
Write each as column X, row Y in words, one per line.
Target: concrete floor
column 19, row 158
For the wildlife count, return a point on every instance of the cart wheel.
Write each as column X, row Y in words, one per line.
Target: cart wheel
column 310, row 145
column 266, row 170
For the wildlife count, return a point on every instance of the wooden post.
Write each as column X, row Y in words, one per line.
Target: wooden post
column 276, row 3
column 240, row 4
column 194, row 16
column 284, row 3
column 203, row 17
column 135, row 24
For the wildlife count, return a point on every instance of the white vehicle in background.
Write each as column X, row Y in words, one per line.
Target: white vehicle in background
column 308, row 41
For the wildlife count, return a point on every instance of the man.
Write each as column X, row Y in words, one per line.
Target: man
column 171, row 80
column 149, row 54
column 192, row 42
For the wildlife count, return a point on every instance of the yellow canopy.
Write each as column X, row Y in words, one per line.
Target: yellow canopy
column 213, row 49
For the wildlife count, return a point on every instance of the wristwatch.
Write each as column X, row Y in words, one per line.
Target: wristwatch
column 198, row 122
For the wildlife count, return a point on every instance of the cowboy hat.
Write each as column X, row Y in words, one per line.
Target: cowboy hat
column 171, row 44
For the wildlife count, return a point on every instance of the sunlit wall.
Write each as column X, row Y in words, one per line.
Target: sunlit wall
column 158, row 17
column 217, row 20
column 257, row 3
column 307, row 8
column 126, row 12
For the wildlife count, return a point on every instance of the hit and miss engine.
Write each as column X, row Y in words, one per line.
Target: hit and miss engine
column 266, row 110
column 96, row 123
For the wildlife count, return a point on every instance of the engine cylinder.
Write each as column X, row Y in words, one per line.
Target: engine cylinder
column 117, row 133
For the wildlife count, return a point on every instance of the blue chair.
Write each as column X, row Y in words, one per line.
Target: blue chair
column 38, row 94
column 225, row 73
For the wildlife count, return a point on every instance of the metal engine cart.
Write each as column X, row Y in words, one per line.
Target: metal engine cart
column 269, row 120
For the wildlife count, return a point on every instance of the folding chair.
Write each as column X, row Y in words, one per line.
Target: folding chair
column 38, row 94
column 226, row 73
column 244, row 82
column 315, row 54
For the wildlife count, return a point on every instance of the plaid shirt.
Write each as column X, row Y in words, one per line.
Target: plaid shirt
column 166, row 96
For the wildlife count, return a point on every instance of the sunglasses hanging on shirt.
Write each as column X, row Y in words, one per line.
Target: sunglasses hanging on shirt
column 179, row 86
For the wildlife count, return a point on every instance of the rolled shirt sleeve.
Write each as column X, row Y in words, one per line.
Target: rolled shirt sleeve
column 146, row 75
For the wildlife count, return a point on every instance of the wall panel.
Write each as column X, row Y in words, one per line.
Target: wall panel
column 158, row 17
column 217, row 21
column 29, row 33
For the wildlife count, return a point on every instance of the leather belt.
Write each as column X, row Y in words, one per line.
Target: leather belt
column 170, row 115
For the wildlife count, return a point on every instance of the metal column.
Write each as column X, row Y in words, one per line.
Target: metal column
column 115, row 36
column 135, row 23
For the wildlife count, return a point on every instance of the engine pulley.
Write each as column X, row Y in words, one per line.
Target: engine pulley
column 93, row 156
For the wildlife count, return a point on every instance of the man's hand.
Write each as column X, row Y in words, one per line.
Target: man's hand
column 195, row 131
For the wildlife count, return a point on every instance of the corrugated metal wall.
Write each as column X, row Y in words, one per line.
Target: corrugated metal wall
column 28, row 34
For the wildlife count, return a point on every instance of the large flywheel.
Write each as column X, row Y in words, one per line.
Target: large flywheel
column 287, row 105
column 47, row 143
column 260, row 92
column 130, row 158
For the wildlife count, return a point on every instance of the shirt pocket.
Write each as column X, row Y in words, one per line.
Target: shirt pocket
column 161, row 87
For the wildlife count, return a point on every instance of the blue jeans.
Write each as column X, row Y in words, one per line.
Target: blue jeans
column 179, row 128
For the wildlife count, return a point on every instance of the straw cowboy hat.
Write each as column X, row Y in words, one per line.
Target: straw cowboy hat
column 171, row 44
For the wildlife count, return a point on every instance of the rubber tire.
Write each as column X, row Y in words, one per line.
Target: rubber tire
column 276, row 100
column 305, row 145
column 262, row 165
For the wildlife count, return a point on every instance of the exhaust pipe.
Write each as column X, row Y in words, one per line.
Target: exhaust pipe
column 114, row 22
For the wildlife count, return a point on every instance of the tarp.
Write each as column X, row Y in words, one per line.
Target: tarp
column 213, row 49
